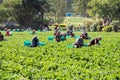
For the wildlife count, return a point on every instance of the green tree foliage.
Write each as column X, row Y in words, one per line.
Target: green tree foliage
column 6, row 10
column 36, row 9
column 69, row 6
column 40, row 5
column 25, row 12
column 76, row 6
column 105, row 8
column 32, row 12
column 58, row 9
column 80, row 7
column 25, row 15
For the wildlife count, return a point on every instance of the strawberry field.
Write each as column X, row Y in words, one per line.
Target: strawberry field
column 56, row 61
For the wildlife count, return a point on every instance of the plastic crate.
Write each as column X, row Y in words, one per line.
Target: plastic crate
column 42, row 44
column 85, row 45
column 50, row 37
column 27, row 43
column 62, row 38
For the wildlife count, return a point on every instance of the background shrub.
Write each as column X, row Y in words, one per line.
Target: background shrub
column 116, row 25
column 93, row 27
column 108, row 28
column 87, row 23
column 99, row 28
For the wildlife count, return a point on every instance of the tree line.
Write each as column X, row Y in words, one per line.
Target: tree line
column 35, row 12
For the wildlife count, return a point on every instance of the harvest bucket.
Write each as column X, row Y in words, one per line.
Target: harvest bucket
column 50, row 37
column 42, row 44
column 27, row 43
column 99, row 43
column 68, row 37
column 85, row 45
column 62, row 38
column 77, row 37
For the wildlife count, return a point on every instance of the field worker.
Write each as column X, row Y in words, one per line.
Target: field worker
column 84, row 33
column 10, row 33
column 56, row 28
column 5, row 29
column 95, row 41
column 35, row 41
column 1, row 37
column 64, row 35
column 33, row 31
column 78, row 43
column 41, row 28
column 56, row 32
column 7, row 32
column 70, row 32
column 58, row 36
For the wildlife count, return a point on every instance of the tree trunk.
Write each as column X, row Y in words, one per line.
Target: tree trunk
column 42, row 16
column 84, row 7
